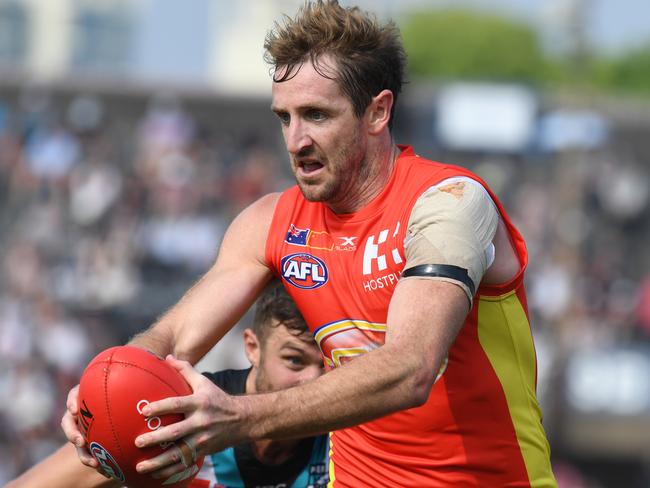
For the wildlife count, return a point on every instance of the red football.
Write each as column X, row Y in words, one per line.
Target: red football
column 115, row 386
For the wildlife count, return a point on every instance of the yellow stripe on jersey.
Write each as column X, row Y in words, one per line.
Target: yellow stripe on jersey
column 350, row 352
column 347, row 324
column 508, row 344
column 331, row 473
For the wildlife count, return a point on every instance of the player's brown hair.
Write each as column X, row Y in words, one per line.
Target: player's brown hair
column 369, row 56
column 275, row 307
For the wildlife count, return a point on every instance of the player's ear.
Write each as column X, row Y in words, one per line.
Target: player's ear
column 378, row 112
column 252, row 347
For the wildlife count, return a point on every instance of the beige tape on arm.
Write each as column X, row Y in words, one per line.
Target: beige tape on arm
column 453, row 223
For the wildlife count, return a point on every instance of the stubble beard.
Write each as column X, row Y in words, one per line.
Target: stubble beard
column 335, row 188
column 319, row 193
column 262, row 384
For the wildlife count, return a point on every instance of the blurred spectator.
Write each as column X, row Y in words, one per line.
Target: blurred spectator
column 165, row 129
column 85, row 114
column 178, row 232
column 101, row 229
column 94, row 188
column 51, row 153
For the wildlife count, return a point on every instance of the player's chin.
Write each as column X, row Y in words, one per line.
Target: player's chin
column 312, row 192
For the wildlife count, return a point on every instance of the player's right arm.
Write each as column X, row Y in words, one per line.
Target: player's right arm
column 209, row 309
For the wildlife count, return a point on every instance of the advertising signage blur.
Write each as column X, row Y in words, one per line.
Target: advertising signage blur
column 607, row 401
column 485, row 117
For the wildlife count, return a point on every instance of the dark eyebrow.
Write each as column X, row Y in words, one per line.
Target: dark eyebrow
column 302, row 108
column 288, row 345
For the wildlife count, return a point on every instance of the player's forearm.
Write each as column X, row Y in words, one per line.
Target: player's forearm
column 62, row 469
column 367, row 388
column 204, row 315
column 154, row 339
column 396, row 376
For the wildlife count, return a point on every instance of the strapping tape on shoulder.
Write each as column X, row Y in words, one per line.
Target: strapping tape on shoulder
column 441, row 271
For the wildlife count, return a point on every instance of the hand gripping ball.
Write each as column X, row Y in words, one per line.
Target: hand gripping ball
column 114, row 388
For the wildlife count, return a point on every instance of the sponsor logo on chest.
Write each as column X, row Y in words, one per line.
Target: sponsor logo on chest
column 380, row 257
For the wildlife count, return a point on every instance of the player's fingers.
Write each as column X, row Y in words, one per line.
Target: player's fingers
column 71, row 402
column 169, row 471
column 192, row 376
column 181, row 404
column 86, row 458
column 167, row 433
column 169, row 462
column 70, row 429
column 189, row 454
column 174, row 473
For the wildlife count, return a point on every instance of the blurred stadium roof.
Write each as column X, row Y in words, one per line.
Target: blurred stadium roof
column 217, row 44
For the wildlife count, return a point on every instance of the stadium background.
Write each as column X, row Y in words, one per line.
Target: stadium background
column 132, row 131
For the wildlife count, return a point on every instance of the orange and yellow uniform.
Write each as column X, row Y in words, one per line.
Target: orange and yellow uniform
column 481, row 425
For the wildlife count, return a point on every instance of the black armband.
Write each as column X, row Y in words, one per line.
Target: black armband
column 441, row 271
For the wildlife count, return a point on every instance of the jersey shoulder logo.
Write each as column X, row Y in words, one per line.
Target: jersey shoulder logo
column 304, row 271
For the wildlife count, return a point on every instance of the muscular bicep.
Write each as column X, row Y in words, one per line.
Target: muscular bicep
column 424, row 318
column 210, row 308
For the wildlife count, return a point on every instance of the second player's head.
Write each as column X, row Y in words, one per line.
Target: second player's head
column 280, row 347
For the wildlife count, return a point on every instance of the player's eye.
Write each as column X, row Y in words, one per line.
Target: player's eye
column 316, row 115
column 284, row 117
column 294, row 362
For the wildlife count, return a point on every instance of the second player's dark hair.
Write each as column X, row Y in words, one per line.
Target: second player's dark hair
column 275, row 307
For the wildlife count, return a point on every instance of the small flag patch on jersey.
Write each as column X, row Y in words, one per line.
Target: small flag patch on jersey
column 297, row 236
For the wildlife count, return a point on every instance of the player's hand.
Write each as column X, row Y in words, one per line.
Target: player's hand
column 72, row 432
column 209, row 425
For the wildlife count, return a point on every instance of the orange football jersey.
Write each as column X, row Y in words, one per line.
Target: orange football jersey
column 481, row 425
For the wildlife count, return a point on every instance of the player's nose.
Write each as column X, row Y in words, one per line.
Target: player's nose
column 297, row 138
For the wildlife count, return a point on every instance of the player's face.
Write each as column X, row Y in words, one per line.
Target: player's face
column 326, row 141
column 284, row 360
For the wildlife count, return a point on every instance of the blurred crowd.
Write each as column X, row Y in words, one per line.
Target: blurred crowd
column 585, row 215
column 105, row 221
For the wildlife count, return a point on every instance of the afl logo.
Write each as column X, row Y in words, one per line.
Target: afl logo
column 106, row 461
column 304, row 271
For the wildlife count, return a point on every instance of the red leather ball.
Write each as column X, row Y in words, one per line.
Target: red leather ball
column 113, row 389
